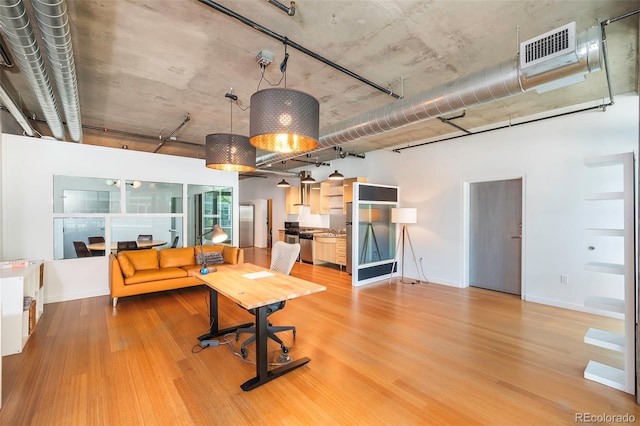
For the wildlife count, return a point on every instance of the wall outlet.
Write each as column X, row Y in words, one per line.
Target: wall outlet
column 564, row 279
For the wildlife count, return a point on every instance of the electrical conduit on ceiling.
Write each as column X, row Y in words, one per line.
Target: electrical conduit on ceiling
column 22, row 42
column 487, row 85
column 53, row 22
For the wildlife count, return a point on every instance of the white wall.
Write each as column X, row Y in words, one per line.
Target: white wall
column 548, row 155
column 28, row 167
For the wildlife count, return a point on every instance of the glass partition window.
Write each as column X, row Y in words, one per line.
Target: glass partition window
column 109, row 210
column 163, row 230
column 72, row 194
column 153, row 197
column 376, row 233
column 69, row 232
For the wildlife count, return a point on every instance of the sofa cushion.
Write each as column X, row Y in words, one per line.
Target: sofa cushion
column 155, row 275
column 209, row 249
column 125, row 265
column 230, row 254
column 211, row 258
column 176, row 257
column 142, row 259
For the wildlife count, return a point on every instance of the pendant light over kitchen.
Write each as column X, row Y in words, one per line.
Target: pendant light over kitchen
column 336, row 175
column 283, row 183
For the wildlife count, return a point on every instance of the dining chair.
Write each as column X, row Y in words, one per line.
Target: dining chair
column 127, row 245
column 283, row 257
column 81, row 249
column 95, row 240
column 145, row 237
column 175, row 241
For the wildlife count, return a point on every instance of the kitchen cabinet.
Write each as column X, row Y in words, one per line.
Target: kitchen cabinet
column 341, row 251
column 324, row 249
column 292, row 197
column 334, row 195
column 281, row 235
column 314, row 198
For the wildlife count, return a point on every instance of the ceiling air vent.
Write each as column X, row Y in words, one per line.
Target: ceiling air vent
column 549, row 51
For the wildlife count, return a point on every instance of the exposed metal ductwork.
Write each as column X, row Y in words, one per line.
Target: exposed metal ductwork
column 53, row 22
column 22, row 42
column 490, row 84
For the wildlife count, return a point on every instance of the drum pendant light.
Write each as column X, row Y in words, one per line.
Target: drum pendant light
column 229, row 152
column 284, row 120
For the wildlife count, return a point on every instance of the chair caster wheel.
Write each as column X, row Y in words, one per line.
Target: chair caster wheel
column 237, row 337
column 285, row 350
column 284, row 357
column 243, row 352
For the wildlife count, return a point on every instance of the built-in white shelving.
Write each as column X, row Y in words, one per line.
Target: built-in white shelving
column 618, row 378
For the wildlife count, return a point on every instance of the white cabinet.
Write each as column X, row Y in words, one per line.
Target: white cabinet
column 17, row 284
column 622, row 234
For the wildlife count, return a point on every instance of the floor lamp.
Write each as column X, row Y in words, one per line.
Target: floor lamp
column 404, row 216
column 369, row 216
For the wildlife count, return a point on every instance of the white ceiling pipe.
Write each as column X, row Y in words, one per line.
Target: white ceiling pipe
column 17, row 114
column 22, row 42
column 490, row 84
column 53, row 22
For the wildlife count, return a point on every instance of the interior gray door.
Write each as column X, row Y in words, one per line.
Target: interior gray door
column 495, row 240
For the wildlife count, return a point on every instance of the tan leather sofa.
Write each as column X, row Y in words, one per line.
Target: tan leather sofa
column 147, row 271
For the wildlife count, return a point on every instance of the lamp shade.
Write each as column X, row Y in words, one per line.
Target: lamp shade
column 283, row 184
column 369, row 215
column 336, row 176
column 284, row 120
column 218, row 235
column 229, row 152
column 404, row 215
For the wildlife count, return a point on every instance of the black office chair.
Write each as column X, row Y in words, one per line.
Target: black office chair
column 81, row 249
column 175, row 242
column 145, row 237
column 127, row 245
column 93, row 240
column 283, row 257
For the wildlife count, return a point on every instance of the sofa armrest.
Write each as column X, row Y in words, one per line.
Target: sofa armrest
column 116, row 279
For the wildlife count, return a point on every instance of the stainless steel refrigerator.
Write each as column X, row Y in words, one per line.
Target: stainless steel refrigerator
column 246, row 225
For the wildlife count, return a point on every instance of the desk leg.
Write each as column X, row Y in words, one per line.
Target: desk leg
column 213, row 319
column 262, row 374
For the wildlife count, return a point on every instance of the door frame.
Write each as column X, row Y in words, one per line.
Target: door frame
column 466, row 218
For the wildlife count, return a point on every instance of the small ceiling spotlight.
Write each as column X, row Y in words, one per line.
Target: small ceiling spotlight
column 288, row 10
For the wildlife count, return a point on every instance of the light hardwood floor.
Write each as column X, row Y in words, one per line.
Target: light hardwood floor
column 380, row 355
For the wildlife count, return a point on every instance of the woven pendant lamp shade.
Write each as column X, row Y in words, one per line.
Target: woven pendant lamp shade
column 229, row 152
column 284, row 120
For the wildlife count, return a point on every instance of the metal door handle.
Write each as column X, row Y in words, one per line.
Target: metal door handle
column 516, row 236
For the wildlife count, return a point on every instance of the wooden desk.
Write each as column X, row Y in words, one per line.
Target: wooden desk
column 114, row 246
column 255, row 292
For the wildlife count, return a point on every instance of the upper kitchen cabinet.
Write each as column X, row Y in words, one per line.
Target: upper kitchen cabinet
column 334, row 195
column 314, row 198
column 292, row 200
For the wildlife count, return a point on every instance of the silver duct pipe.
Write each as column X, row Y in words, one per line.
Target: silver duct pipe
column 54, row 26
column 490, row 84
column 22, row 42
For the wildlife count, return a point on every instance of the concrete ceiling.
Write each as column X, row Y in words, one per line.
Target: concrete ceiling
column 142, row 66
